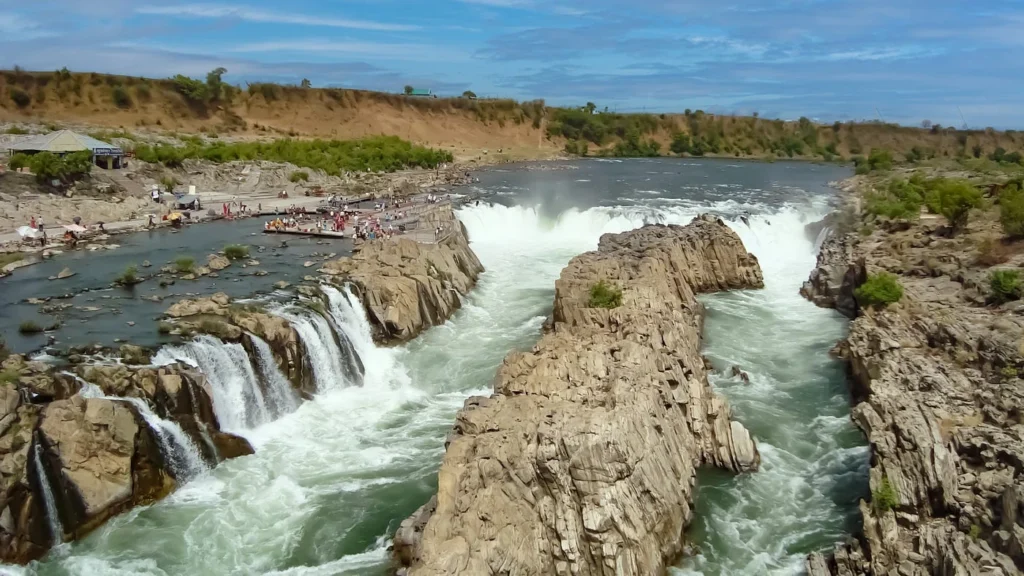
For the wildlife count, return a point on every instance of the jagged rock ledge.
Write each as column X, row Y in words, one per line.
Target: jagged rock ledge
column 937, row 392
column 406, row 286
column 71, row 460
column 583, row 460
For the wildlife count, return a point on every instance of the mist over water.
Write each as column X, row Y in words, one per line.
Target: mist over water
column 331, row 480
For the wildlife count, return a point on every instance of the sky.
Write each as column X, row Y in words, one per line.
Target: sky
column 901, row 61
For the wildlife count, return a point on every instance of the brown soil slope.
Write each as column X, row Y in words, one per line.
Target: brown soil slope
column 267, row 110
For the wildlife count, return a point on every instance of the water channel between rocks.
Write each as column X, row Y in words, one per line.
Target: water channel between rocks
column 331, row 480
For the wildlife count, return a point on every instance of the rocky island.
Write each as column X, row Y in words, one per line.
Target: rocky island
column 583, row 459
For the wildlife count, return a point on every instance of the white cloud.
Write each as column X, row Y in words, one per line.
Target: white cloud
column 388, row 51
column 256, row 15
column 15, row 27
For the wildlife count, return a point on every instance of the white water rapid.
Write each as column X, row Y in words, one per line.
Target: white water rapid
column 324, row 354
column 282, row 397
column 330, row 482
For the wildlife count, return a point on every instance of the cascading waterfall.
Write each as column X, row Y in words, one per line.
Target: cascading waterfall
column 324, row 354
column 52, row 517
column 237, row 398
column 350, row 317
column 822, row 236
column 283, row 399
column 182, row 455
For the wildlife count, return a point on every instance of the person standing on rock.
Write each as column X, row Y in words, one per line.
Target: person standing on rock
column 32, row 223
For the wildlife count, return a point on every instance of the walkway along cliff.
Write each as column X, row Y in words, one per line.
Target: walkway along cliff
column 937, row 391
column 119, row 428
column 583, row 460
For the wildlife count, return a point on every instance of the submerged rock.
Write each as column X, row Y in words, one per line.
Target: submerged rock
column 584, row 459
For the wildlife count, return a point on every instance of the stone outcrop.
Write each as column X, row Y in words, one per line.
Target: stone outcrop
column 938, row 394
column 407, row 286
column 582, row 461
column 97, row 456
column 837, row 274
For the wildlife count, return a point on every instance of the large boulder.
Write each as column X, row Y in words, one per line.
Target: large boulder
column 406, row 286
column 583, row 461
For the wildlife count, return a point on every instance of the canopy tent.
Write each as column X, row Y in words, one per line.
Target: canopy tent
column 66, row 142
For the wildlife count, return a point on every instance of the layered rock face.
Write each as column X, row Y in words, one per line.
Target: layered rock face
column 69, row 461
column 583, row 460
column 406, row 286
column 938, row 395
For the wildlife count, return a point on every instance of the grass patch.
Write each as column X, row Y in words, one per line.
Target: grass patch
column 1011, row 211
column 9, row 376
column 185, row 264
column 992, row 252
column 880, row 290
column 16, row 130
column 10, row 258
column 1005, row 285
column 236, row 251
column 29, row 327
column 974, row 532
column 604, row 295
column 129, row 277
column 885, row 498
column 299, row 176
column 164, row 328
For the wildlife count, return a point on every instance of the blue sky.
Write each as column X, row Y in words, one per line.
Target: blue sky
column 826, row 59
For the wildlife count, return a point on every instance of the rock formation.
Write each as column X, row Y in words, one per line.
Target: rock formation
column 938, row 394
column 72, row 458
column 583, row 460
column 406, row 286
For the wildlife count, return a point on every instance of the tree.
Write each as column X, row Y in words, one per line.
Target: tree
column 680, row 143
column 926, row 124
column 1011, row 210
column 590, row 107
column 193, row 90
column 469, row 94
column 954, row 199
column 408, row 89
column 306, row 83
column 18, row 161
column 214, row 83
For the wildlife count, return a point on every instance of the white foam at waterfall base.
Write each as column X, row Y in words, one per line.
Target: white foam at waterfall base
column 237, row 398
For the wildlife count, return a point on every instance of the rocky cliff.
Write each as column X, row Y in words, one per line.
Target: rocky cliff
column 938, row 395
column 582, row 461
column 78, row 447
column 406, row 286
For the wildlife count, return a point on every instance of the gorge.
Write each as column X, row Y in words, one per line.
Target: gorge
column 333, row 476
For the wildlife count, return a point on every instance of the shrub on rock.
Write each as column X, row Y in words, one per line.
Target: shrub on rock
column 1005, row 285
column 604, row 295
column 954, row 200
column 1011, row 212
column 880, row 290
column 236, row 251
column 885, row 497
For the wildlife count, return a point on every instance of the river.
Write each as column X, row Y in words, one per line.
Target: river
column 330, row 481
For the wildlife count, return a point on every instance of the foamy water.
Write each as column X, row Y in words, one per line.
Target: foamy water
column 331, row 480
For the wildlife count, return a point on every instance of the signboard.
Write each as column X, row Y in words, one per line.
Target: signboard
column 107, row 152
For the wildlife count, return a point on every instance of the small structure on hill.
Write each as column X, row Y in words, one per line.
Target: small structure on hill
column 104, row 155
column 422, row 93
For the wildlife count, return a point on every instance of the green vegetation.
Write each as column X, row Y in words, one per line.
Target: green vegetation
column 992, row 252
column 576, row 148
column 47, row 166
column 121, row 97
column 604, row 295
column 1002, row 156
column 954, row 200
column 1008, row 372
column 184, row 264
column 10, row 257
column 885, row 497
column 168, row 183
column 216, row 328
column 110, row 135
column 880, row 290
column 901, row 200
column 236, row 251
column 29, row 327
column 634, row 146
column 878, row 160
column 129, row 277
column 299, row 176
column 164, row 328
column 20, row 97
column 974, row 532
column 580, row 124
column 378, row 154
column 408, row 89
column 199, row 93
column 16, row 131
column 469, row 94
column 9, row 376
column 1011, row 211
column 1005, row 285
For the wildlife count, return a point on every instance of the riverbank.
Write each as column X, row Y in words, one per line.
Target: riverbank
column 936, row 386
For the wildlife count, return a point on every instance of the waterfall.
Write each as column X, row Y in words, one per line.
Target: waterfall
column 56, row 530
column 822, row 236
column 237, row 398
column 324, row 355
column 283, row 399
column 183, row 457
column 379, row 364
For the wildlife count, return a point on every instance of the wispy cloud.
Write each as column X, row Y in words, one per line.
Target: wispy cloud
column 266, row 16
column 345, row 49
